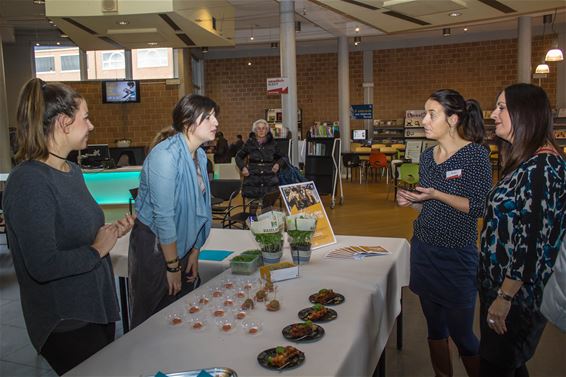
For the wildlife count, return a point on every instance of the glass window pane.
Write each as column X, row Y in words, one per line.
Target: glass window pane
column 70, row 63
column 45, row 64
column 107, row 64
column 153, row 63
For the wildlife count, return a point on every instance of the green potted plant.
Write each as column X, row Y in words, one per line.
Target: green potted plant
column 268, row 233
column 300, row 229
column 244, row 264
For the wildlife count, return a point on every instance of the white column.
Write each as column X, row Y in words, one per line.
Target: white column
column 289, row 70
column 524, row 44
column 5, row 161
column 344, row 92
column 561, row 70
column 368, row 88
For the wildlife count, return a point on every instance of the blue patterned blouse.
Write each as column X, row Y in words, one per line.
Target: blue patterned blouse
column 524, row 224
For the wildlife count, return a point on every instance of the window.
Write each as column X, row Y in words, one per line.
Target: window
column 45, row 64
column 70, row 63
column 113, row 60
column 153, row 57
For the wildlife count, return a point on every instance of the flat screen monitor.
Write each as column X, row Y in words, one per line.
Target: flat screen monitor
column 359, row 135
column 121, row 91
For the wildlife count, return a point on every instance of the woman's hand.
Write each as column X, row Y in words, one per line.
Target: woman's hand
column 105, row 239
column 192, row 266
column 245, row 172
column 125, row 224
column 174, row 282
column 497, row 314
column 403, row 199
column 275, row 168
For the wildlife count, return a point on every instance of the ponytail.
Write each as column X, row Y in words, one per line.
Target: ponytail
column 471, row 128
column 163, row 134
column 38, row 107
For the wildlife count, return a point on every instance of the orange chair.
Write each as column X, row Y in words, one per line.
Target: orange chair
column 378, row 160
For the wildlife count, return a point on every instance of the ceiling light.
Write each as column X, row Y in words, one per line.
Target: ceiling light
column 357, row 40
column 152, row 43
column 249, row 63
column 446, row 32
column 251, row 38
column 542, row 68
column 123, row 22
column 454, row 14
column 554, row 55
column 465, row 29
column 357, row 29
column 39, row 2
column 37, row 43
column 204, row 50
column 63, row 35
column 58, row 43
column 274, row 44
column 50, row 21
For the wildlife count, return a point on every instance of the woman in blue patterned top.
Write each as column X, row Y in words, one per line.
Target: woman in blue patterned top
column 455, row 177
column 524, row 225
column 173, row 207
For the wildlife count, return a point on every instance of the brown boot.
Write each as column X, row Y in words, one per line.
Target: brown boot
column 440, row 357
column 472, row 365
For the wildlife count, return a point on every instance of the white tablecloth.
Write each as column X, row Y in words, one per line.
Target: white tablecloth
column 352, row 344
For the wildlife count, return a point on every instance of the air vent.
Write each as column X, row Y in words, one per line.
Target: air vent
column 109, row 6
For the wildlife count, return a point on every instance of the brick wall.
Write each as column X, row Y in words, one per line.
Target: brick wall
column 403, row 79
column 136, row 121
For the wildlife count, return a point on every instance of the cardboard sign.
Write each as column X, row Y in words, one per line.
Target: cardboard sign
column 277, row 85
column 303, row 198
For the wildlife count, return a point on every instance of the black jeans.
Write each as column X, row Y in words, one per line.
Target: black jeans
column 488, row 369
column 65, row 350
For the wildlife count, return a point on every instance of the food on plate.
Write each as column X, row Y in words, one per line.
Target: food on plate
column 227, row 327
column 273, row 305
column 176, row 321
column 193, row 309
column 197, row 325
column 299, row 330
column 283, row 355
column 218, row 313
column 241, row 314
column 203, row 300
column 228, row 302
column 324, row 296
column 253, row 330
column 317, row 312
column 248, row 304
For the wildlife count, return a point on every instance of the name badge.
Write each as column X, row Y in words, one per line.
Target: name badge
column 453, row 174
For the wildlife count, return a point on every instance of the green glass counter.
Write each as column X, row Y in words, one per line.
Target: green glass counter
column 112, row 186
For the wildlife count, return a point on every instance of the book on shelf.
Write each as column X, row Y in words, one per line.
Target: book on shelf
column 316, row 149
column 324, row 129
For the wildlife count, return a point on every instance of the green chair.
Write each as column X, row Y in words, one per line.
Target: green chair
column 408, row 174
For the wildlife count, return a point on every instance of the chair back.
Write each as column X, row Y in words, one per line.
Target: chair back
column 225, row 189
column 378, row 160
column 409, row 173
column 350, row 160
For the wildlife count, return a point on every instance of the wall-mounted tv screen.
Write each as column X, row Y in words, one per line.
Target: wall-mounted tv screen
column 359, row 135
column 120, row 91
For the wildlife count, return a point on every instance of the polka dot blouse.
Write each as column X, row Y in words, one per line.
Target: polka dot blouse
column 466, row 173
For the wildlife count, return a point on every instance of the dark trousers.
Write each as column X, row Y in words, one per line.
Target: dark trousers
column 457, row 323
column 65, row 350
column 488, row 369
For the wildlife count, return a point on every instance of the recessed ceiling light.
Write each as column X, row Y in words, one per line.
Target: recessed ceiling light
column 465, row 29
column 152, row 43
column 252, row 38
column 123, row 22
column 454, row 14
column 357, row 29
column 50, row 21
column 63, row 35
column 58, row 43
column 249, row 63
column 37, row 43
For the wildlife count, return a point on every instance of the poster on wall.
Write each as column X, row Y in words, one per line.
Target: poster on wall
column 277, row 85
column 361, row 111
column 303, row 198
column 414, row 118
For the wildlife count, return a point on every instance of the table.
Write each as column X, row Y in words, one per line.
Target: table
column 351, row 347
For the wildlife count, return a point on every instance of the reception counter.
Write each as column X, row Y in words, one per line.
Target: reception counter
column 112, row 186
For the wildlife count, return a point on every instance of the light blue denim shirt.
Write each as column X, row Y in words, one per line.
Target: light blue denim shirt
column 170, row 201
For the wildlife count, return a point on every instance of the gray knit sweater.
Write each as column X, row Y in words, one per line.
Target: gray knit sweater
column 52, row 220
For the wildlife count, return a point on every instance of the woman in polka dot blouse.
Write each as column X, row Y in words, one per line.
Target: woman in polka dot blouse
column 455, row 177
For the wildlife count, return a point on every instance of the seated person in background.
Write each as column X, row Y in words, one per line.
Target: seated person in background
column 221, row 154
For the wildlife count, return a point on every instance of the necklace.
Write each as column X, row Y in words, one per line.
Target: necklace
column 59, row 157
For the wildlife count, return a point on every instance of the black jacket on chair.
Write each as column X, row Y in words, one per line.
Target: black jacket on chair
column 261, row 158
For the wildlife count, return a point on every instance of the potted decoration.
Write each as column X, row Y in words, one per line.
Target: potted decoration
column 268, row 233
column 300, row 229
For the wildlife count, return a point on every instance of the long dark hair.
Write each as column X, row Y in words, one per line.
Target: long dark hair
column 186, row 113
column 531, row 124
column 38, row 107
column 470, row 116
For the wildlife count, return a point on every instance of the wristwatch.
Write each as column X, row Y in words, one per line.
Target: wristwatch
column 504, row 295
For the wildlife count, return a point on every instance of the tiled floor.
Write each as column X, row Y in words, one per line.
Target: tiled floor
column 18, row 358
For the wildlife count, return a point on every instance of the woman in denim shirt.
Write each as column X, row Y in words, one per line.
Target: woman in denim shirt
column 173, row 209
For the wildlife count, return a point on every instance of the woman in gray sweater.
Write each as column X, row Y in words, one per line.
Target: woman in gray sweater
column 57, row 235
